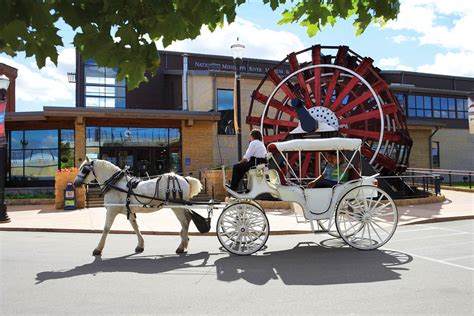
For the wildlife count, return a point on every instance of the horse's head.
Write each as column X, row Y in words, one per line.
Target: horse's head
column 86, row 173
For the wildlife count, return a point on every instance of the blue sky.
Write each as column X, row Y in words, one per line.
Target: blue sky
column 429, row 36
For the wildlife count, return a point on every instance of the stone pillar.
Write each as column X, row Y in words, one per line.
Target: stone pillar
column 79, row 140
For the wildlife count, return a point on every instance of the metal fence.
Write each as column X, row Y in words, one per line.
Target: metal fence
column 411, row 185
column 448, row 177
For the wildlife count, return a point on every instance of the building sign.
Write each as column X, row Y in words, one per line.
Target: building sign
column 3, row 139
column 251, row 67
column 470, row 108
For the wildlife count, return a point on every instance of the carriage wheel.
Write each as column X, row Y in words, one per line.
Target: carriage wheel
column 341, row 89
column 330, row 228
column 366, row 217
column 243, row 228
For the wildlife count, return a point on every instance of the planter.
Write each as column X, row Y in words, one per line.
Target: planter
column 30, row 201
column 214, row 182
column 61, row 180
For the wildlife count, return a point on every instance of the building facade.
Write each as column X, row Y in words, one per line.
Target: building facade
column 182, row 119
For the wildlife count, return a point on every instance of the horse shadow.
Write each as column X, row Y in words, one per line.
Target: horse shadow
column 129, row 263
column 328, row 262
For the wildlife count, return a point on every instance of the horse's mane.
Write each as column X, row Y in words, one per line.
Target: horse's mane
column 106, row 165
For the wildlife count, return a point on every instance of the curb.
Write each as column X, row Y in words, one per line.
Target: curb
column 171, row 233
column 448, row 188
column 440, row 219
column 129, row 232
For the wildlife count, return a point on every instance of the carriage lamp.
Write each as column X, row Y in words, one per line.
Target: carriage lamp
column 4, row 83
column 238, row 53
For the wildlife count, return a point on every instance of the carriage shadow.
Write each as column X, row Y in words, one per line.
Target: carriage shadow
column 305, row 264
column 314, row 264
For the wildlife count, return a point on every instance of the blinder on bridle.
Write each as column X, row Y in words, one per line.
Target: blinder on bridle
column 85, row 170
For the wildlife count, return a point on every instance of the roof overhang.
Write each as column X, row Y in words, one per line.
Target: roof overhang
column 72, row 113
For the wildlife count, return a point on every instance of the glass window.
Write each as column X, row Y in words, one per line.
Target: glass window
column 460, row 104
column 437, row 113
column 451, row 104
column 419, row 102
column 444, row 103
column 411, row 113
column 427, row 102
column 436, row 103
column 444, row 114
column 435, row 154
column 16, row 139
column 452, row 114
column 411, row 101
column 225, row 105
column 101, row 87
column 419, row 113
column 92, row 136
column 41, row 139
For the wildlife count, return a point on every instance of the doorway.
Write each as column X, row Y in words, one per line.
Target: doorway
column 142, row 161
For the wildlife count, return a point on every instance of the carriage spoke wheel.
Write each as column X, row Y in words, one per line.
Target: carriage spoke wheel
column 328, row 225
column 243, row 228
column 366, row 217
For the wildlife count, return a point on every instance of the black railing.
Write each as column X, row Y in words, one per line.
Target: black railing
column 411, row 185
column 457, row 178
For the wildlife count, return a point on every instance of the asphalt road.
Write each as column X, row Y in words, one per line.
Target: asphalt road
column 424, row 269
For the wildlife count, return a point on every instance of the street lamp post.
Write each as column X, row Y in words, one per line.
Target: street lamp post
column 238, row 53
column 4, row 83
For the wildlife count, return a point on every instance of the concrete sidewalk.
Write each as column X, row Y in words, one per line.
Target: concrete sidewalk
column 458, row 205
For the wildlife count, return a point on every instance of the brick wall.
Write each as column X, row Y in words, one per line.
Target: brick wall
column 197, row 139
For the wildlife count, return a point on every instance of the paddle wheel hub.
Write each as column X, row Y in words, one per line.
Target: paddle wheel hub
column 332, row 91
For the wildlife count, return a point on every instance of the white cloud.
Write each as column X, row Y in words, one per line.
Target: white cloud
column 259, row 42
column 48, row 86
column 393, row 63
column 458, row 63
column 402, row 38
column 444, row 23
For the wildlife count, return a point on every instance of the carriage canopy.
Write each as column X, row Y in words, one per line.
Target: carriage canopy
column 324, row 144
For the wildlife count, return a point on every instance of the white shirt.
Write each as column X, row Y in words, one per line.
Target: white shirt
column 256, row 149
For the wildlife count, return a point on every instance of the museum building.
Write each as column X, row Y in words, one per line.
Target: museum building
column 182, row 119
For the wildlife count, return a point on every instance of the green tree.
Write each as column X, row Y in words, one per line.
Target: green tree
column 122, row 33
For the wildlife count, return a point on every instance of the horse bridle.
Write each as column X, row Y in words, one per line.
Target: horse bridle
column 85, row 170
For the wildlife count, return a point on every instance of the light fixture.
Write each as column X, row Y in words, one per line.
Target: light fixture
column 71, row 77
column 4, row 83
column 238, row 50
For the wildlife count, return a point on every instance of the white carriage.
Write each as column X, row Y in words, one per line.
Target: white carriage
column 363, row 215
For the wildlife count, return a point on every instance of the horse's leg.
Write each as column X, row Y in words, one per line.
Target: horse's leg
column 109, row 220
column 141, row 242
column 184, row 218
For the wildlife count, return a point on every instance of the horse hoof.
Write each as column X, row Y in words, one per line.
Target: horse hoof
column 139, row 249
column 97, row 252
column 180, row 250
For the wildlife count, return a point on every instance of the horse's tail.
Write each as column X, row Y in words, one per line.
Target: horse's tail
column 195, row 186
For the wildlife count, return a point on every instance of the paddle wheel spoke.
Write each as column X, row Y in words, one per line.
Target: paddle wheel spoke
column 347, row 96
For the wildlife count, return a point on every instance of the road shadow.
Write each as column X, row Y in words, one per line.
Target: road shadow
column 305, row 264
column 129, row 263
column 314, row 264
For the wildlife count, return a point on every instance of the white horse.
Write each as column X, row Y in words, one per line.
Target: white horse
column 115, row 200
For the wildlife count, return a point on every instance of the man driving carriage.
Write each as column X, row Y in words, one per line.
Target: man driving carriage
column 254, row 155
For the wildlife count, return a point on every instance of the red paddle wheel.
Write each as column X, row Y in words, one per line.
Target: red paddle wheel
column 345, row 94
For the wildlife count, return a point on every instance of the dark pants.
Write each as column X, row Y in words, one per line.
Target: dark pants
column 325, row 183
column 239, row 170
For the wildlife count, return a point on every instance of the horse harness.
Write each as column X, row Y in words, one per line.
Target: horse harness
column 172, row 188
